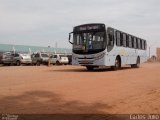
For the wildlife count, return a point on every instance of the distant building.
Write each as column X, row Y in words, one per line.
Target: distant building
column 158, row 54
column 32, row 49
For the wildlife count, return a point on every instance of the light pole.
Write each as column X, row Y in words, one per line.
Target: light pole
column 49, row 59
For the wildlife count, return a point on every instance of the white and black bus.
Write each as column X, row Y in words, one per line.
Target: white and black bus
column 96, row 45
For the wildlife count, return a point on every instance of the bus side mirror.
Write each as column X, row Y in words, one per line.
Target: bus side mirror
column 70, row 37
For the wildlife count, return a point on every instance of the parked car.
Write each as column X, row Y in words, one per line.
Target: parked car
column 1, row 55
column 6, row 58
column 69, row 59
column 21, row 58
column 40, row 58
column 59, row 59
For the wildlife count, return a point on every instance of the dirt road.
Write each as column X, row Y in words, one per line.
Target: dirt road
column 72, row 89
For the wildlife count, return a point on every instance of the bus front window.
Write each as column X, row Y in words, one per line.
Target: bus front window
column 89, row 43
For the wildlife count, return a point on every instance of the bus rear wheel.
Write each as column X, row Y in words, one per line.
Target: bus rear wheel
column 90, row 68
column 137, row 65
column 117, row 65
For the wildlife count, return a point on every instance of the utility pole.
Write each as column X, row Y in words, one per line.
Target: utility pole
column 49, row 59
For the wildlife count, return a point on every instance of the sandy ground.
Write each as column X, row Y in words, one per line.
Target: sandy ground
column 72, row 89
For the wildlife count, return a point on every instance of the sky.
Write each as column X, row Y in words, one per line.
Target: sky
column 48, row 22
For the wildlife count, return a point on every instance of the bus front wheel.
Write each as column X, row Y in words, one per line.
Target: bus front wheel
column 117, row 64
column 89, row 68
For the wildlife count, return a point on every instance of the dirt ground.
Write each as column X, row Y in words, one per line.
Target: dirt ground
column 73, row 89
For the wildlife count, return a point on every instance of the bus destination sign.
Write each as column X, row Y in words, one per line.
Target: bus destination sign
column 83, row 28
column 89, row 27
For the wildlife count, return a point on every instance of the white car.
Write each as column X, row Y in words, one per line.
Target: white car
column 59, row 59
column 21, row 58
column 40, row 58
column 6, row 58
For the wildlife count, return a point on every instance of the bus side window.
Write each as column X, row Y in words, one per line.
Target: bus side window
column 121, row 39
column 139, row 44
column 145, row 45
column 142, row 44
column 111, row 39
column 130, row 41
column 118, row 42
column 127, row 40
column 124, row 39
column 135, row 42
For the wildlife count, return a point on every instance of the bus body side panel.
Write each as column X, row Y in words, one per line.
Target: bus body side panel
column 110, row 58
column 132, row 56
column 143, row 56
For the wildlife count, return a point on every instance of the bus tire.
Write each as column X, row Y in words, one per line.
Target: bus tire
column 137, row 65
column 133, row 66
column 117, row 65
column 90, row 68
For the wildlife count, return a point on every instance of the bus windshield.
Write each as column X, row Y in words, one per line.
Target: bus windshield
column 89, row 42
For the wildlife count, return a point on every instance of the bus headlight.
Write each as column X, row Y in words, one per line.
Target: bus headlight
column 100, row 56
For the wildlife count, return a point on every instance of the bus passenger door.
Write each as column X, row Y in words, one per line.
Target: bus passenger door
column 110, row 39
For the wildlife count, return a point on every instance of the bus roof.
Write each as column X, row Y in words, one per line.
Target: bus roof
column 105, row 27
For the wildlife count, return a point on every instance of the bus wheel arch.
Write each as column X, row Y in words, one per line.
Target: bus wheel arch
column 138, row 62
column 137, row 65
column 117, row 63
